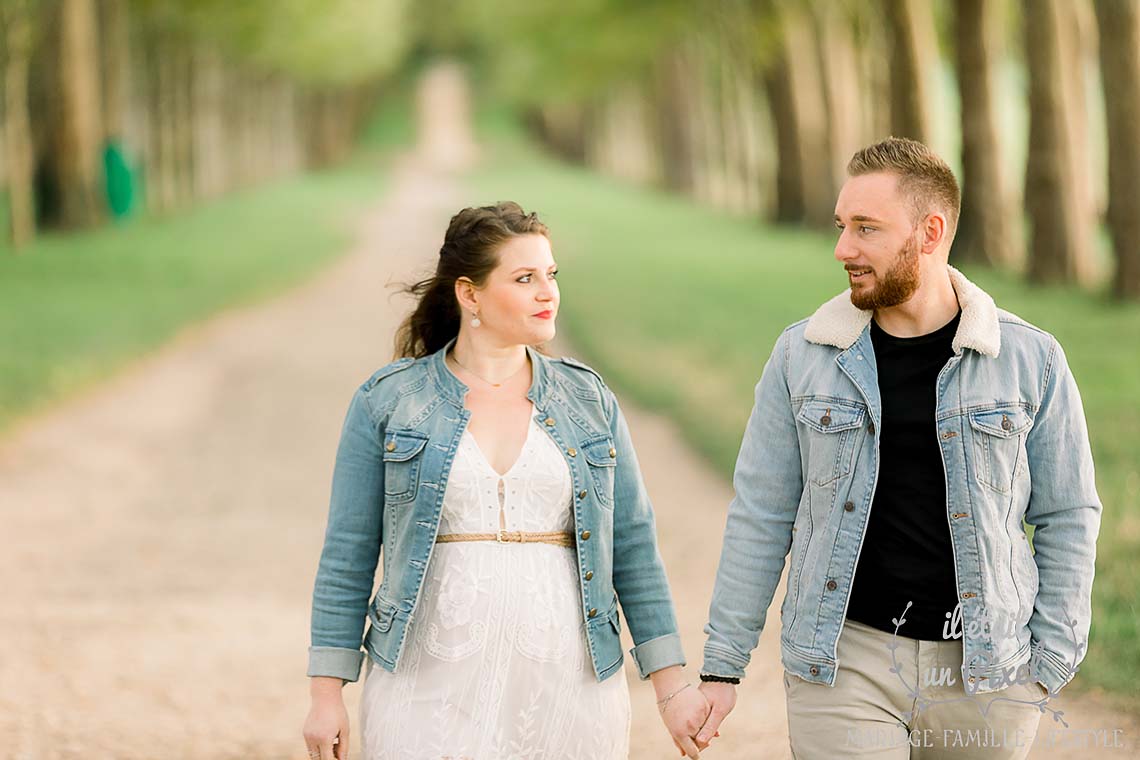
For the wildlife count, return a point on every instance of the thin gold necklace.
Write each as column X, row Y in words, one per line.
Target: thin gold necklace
column 488, row 382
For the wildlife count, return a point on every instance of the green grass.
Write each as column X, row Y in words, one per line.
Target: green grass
column 679, row 307
column 74, row 308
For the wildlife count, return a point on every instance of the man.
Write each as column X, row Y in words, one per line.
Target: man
column 899, row 437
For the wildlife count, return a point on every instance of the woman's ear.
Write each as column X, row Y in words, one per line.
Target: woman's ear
column 467, row 295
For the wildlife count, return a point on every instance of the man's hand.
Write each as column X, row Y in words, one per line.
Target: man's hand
column 721, row 698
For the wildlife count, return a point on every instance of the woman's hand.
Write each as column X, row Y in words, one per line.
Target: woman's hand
column 683, row 715
column 326, row 727
column 682, row 706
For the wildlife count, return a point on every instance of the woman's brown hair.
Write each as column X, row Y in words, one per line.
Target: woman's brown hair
column 470, row 249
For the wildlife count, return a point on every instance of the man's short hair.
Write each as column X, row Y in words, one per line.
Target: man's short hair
column 924, row 178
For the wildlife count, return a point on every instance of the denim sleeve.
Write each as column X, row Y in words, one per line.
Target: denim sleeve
column 758, row 532
column 1064, row 510
column 638, row 571
column 348, row 561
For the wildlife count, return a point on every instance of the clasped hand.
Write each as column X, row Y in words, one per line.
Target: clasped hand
column 693, row 716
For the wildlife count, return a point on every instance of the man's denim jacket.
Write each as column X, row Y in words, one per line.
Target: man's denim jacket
column 1014, row 446
column 396, row 449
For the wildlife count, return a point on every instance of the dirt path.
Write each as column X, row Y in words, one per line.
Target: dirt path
column 161, row 533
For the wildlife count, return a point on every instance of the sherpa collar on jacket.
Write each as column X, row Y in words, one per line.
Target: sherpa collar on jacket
column 839, row 323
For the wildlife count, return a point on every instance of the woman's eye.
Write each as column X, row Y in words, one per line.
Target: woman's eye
column 554, row 274
column 524, row 278
column 865, row 229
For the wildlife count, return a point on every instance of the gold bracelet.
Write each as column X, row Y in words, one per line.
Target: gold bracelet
column 663, row 703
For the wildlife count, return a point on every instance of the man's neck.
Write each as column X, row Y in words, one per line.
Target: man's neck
column 932, row 306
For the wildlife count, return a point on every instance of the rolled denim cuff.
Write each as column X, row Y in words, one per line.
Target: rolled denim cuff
column 1052, row 671
column 337, row 662
column 658, row 653
column 718, row 663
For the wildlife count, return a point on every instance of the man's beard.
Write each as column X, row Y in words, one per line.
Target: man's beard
column 896, row 286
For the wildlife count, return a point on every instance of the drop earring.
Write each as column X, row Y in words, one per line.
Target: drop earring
column 475, row 321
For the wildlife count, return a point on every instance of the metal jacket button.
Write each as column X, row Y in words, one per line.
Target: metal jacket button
column 549, row 422
column 613, row 453
column 849, row 506
column 1005, row 423
column 391, row 446
column 832, row 585
column 572, row 452
column 813, row 670
column 589, row 575
column 593, row 612
column 581, row 494
column 585, row 535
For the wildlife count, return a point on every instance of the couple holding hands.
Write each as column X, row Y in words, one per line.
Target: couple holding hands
column 908, row 430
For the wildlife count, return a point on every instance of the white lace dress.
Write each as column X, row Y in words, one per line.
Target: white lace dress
column 495, row 666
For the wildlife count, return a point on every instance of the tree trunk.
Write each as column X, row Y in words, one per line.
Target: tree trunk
column 1062, row 227
column 838, row 60
column 116, row 69
column 732, row 127
column 705, row 115
column 79, row 133
column 912, row 40
column 1119, row 23
column 182, row 54
column 988, row 229
column 1078, row 25
column 209, row 120
column 675, row 122
column 871, row 39
column 161, row 185
column 17, row 133
column 804, row 189
column 563, row 130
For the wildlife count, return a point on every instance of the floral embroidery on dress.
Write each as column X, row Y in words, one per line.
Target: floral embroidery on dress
column 458, row 593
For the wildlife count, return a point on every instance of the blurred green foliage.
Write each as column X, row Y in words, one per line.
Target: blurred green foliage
column 318, row 41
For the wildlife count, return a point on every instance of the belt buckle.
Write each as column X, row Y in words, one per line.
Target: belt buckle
column 499, row 536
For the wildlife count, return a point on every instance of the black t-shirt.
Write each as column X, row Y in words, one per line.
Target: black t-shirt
column 907, row 554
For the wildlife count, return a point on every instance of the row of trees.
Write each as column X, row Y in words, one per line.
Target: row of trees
column 207, row 95
column 757, row 105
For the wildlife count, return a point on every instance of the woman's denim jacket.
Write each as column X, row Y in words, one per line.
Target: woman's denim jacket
column 1014, row 445
column 396, row 449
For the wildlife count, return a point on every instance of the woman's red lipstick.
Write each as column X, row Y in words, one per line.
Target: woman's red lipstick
column 544, row 314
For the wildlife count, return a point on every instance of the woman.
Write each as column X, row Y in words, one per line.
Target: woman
column 504, row 490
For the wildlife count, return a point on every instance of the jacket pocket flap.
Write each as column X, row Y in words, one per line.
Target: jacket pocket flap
column 402, row 445
column 830, row 416
column 600, row 453
column 1003, row 423
column 382, row 614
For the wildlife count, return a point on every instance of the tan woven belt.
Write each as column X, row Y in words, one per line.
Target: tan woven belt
column 558, row 538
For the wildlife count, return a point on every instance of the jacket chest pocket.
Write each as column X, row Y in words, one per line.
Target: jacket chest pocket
column 999, row 441
column 831, row 430
column 402, row 461
column 601, row 460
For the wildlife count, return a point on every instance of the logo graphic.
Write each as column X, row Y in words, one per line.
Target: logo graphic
column 1025, row 673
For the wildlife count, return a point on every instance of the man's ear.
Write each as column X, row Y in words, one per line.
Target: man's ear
column 933, row 232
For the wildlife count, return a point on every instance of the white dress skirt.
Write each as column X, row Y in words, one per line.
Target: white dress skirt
column 495, row 665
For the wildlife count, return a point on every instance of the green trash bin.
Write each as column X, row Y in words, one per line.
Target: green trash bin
column 120, row 180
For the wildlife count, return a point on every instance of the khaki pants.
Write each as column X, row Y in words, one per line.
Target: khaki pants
column 871, row 712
